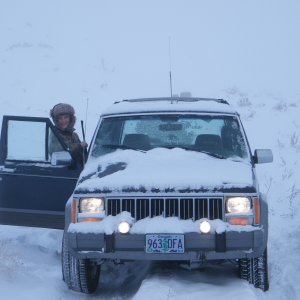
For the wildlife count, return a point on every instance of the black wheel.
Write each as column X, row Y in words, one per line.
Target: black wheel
column 244, row 269
column 255, row 271
column 80, row 275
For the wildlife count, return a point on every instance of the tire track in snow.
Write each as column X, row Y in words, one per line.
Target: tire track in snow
column 169, row 281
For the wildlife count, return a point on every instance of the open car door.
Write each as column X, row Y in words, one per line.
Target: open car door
column 34, row 184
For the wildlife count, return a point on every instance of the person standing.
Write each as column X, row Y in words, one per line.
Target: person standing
column 64, row 119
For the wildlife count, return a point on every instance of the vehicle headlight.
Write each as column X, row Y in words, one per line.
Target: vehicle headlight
column 238, row 205
column 91, row 205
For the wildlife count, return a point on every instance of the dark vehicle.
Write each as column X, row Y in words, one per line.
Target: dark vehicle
column 34, row 183
column 167, row 179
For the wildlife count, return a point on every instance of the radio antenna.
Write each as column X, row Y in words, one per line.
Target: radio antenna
column 86, row 113
column 83, row 128
column 170, row 67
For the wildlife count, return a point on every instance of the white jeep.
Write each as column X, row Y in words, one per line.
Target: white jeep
column 167, row 179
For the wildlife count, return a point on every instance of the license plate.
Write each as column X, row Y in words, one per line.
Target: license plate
column 164, row 243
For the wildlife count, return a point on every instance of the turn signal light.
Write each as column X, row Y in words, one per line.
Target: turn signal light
column 74, row 207
column 238, row 221
column 90, row 220
column 256, row 211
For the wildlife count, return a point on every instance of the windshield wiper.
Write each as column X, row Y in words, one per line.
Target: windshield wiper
column 211, row 154
column 205, row 152
column 196, row 150
column 119, row 146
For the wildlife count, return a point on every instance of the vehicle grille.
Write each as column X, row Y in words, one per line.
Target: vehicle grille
column 184, row 208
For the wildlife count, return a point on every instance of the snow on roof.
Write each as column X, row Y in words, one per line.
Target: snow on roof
column 175, row 104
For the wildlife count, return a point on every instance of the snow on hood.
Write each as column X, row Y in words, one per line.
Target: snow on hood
column 163, row 170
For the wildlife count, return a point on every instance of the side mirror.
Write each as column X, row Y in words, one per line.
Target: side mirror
column 262, row 156
column 61, row 158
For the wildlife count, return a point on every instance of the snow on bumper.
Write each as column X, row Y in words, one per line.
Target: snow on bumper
column 155, row 225
column 102, row 241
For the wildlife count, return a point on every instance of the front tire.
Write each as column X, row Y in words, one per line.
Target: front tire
column 255, row 271
column 80, row 275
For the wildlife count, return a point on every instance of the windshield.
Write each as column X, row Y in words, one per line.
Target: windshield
column 219, row 136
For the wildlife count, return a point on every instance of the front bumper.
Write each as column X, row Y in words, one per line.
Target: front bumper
column 198, row 247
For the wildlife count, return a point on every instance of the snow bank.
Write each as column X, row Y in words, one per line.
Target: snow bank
column 273, row 122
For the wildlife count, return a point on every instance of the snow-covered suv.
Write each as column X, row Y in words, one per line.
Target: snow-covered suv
column 167, row 179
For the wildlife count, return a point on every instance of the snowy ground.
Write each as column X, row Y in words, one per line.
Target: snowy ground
column 30, row 269
column 30, row 257
column 53, row 51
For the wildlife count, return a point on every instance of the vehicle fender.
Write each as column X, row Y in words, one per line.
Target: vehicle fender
column 264, row 216
column 68, row 213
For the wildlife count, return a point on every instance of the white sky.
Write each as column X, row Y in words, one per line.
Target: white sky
column 71, row 50
column 108, row 50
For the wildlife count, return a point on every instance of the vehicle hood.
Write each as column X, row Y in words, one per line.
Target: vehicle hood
column 164, row 170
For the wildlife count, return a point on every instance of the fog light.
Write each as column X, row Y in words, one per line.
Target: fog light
column 205, row 227
column 123, row 227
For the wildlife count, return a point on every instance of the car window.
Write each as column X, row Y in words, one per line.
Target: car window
column 172, row 131
column 26, row 141
column 54, row 144
column 220, row 135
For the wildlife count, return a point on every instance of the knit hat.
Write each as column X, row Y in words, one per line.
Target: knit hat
column 63, row 109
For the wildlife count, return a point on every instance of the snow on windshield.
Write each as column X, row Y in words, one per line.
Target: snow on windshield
column 216, row 134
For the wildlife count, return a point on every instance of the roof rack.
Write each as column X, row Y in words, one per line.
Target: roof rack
column 174, row 99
